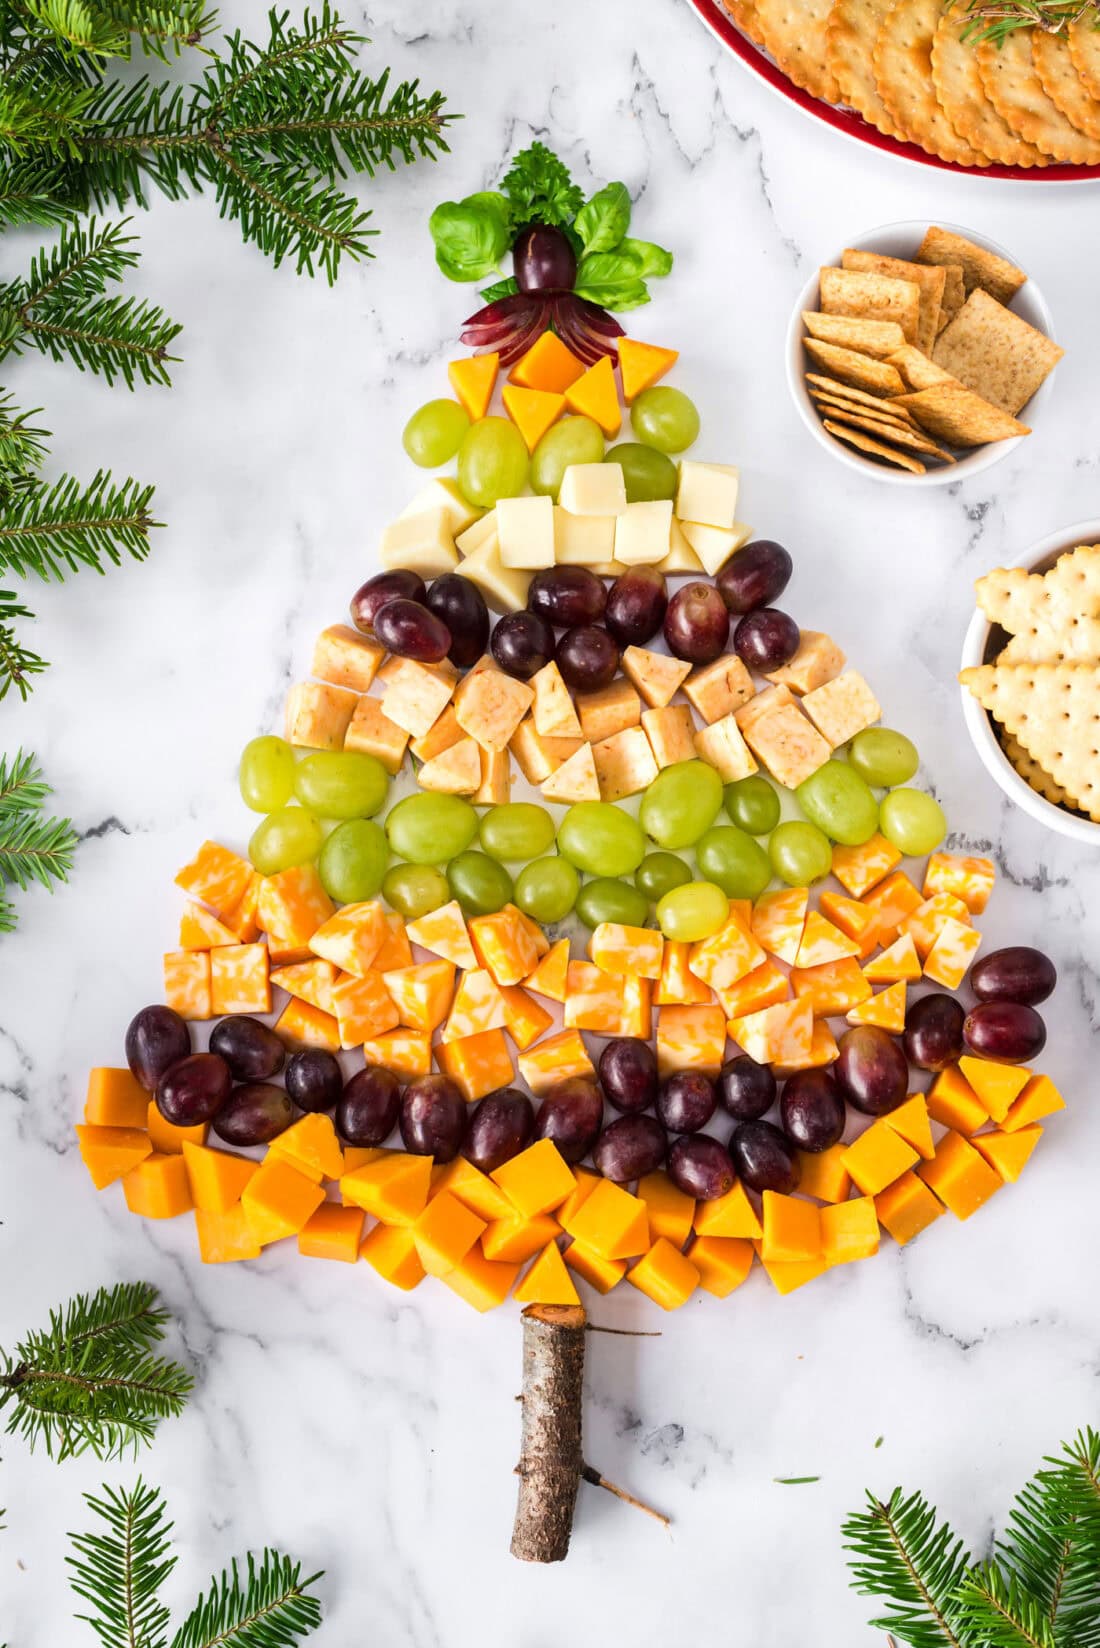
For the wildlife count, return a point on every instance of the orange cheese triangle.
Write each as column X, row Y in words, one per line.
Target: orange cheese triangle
column 995, row 1084
column 473, row 380
column 548, row 365
column 1008, row 1153
column 898, row 961
column 910, row 1122
column 532, row 411
column 550, row 975
column 887, row 1009
column 643, row 364
column 596, row 396
column 857, row 920
column 200, row 929
column 547, row 1282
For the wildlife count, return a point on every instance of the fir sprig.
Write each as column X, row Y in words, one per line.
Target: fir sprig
column 902, row 1552
column 996, row 19
column 90, row 1381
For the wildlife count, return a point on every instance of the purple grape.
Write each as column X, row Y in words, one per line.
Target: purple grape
column 588, row 658
column 570, row 1115
column 314, row 1079
column 766, row 639
column 754, row 576
column 252, row 1050
column 1017, row 973
column 193, row 1089
column 1008, row 1031
column 254, row 1114
column 697, row 625
column 566, row 596
column 812, row 1110
column 764, row 1158
column 543, row 259
column 686, row 1101
column 370, row 597
column 746, row 1089
column 522, row 644
column 630, row 1148
column 409, row 630
column 871, row 1070
column 500, row 1127
column 368, row 1109
column 628, row 1073
column 433, row 1118
column 459, row 604
column 933, row 1036
column 156, row 1039
column 636, row 605
column 700, row 1167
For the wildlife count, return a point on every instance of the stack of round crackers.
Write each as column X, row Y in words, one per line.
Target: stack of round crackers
column 1043, row 685
column 918, row 71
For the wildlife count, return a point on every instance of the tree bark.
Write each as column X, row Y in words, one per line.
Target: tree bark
column 551, row 1462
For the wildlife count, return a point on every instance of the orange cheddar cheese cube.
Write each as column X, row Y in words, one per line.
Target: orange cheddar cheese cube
column 525, row 1019
column 792, row 1228
column 280, row 954
column 110, row 1152
column 358, row 1155
column 636, row 951
column 306, row 1026
column 239, row 981
column 678, row 986
column 504, row 945
column 217, row 1177
column 823, row 943
column 907, row 1207
column 532, row 411
column 849, row 1230
column 514, row 1239
column 364, row 1008
column 858, row 869
column 611, row 1222
column 480, row 1282
column 278, row 1200
column 595, row 395
column 601, row 1274
column 473, row 379
column 1039, row 1098
column 477, row 1064
column 852, row 918
column 531, row 928
column 893, row 901
column 822, row 1050
column 669, row 1210
column 200, row 929
column 405, row 1053
column 898, row 963
column 293, row 904
column 547, row 1282
column 928, row 920
column 824, row 1175
column 393, row 1188
column 887, row 1009
column 310, row 1144
column 352, row 938
column 831, row 987
column 778, row 920
column 786, row 1275
column 158, row 1188
column 216, row 877
column 911, row 1122
column 478, row 1006
column 332, row 1232
column 169, row 1140
column 444, row 1233
column 243, row 919
column 723, row 1262
column 311, row 981
column 878, row 1157
column 547, row 365
column 1008, row 1153
column 553, row 1059
column 727, row 956
column 396, row 950
column 783, row 1034
column 586, row 1182
column 472, row 1188
column 225, row 1237
column 536, row 1181
column 593, row 999
column 665, row 1275
column 115, row 1098
column 961, row 1178
column 423, row 993
column 641, row 365
column 444, row 933
column 953, row 1102
column 968, row 878
column 997, row 1085
column 318, row 715
column 949, row 958
column 187, row 982
column 731, row 1215
column 637, row 1019
column 691, row 1038
column 391, row 1251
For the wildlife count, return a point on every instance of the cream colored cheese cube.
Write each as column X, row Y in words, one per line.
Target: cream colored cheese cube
column 842, row 707
column 554, row 714
column 584, row 540
column 724, row 747
column 420, row 543
column 416, row 694
column 707, row 493
column 625, row 764
column 671, row 733
column 525, row 528
column 817, row 660
column 681, row 557
column 504, row 588
column 483, row 531
column 575, row 780
column 715, row 544
column 444, row 492
column 643, row 532
column 593, row 489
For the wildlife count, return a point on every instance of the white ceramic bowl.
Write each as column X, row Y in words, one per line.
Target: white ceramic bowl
column 901, row 240
column 979, row 724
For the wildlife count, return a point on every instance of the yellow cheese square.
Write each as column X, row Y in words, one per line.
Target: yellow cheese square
column 715, row 544
column 907, row 1207
column 707, row 493
column 584, row 540
column 504, row 588
column 443, row 492
column 643, row 532
column 824, row 1175
column 391, row 1251
column 792, row 1228
column 593, row 489
column 731, row 1215
column 422, row 543
column 611, row 1222
column 878, row 1157
column 525, row 530
column 669, row 1210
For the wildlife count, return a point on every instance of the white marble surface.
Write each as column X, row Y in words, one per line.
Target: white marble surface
column 374, row 1434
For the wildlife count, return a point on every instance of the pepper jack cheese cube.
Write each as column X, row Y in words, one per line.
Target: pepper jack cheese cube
column 593, row 489
column 525, row 529
column 707, row 493
column 553, row 712
column 617, row 948
column 671, row 734
column 216, row 877
column 504, row 588
column 786, row 744
column 690, row 1038
column 654, row 675
column 575, row 779
column 817, row 660
column 443, row 492
column 536, row 1181
column 538, row 756
column 593, row 999
column 372, row 732
column 665, row 1275
column 610, row 710
column 584, row 540
column 416, row 694
column 961, row 1178
column 719, row 688
column 318, row 716
column 723, row 744
column 858, row 869
column 477, row 1064
column 624, row 764
column 970, row 879
column 553, row 1059
column 444, row 933
column 907, row 1207
column 878, row 1157
column 422, row 543
column 715, row 544
column 344, row 658
column 455, row 771
column 490, row 706
column 187, row 983
column 949, row 958
column 239, row 981
column 842, row 707
column 782, row 1034
column 643, row 532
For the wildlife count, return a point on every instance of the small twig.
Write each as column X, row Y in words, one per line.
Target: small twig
column 589, row 1473
column 625, row 1333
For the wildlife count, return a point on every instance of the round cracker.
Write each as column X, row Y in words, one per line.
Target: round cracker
column 743, row 13
column 1062, row 83
column 1084, row 48
column 850, row 34
column 903, row 75
column 794, row 34
column 962, row 97
column 1015, row 90
column 1031, row 772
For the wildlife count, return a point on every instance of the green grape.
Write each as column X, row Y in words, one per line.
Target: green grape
column 286, row 837
column 753, row 805
column 601, row 839
column 800, row 853
column 912, row 821
column 607, row 899
column 574, row 440
column 547, row 889
column 492, row 462
column 480, row 884
column 883, row 757
column 647, row 473
column 266, row 774
column 692, row 912
column 431, row 829
column 341, row 784
column 353, row 861
column 415, row 890
column 732, row 859
column 517, row 829
column 664, row 418
column 659, row 873
column 682, row 801
column 434, row 433
column 838, row 801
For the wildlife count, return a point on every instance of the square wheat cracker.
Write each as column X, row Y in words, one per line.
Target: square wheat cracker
column 956, row 415
column 909, row 440
column 875, row 449
column 871, row 337
column 833, row 386
column 871, row 297
column 928, row 278
column 995, row 353
column 851, row 367
column 995, row 275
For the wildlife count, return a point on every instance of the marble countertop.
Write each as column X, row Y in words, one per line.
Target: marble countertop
column 371, row 1433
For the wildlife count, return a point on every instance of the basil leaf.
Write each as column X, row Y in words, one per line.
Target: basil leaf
column 611, row 279
column 603, row 221
column 652, row 259
column 471, row 236
column 502, row 289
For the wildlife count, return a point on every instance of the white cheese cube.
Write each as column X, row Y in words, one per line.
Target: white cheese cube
column 525, row 528
column 707, row 493
column 483, row 531
column 583, row 540
column 643, row 532
column 593, row 489
column 715, row 544
column 420, row 543
column 681, row 557
column 444, row 493
column 504, row 588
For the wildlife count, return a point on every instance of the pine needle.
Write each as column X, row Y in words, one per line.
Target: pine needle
column 901, row 1552
column 120, row 1572
column 996, row 19
column 69, row 526
column 268, row 1607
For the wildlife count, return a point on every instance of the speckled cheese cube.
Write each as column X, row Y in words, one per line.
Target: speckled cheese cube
column 371, row 732
column 787, row 745
column 422, row 543
column 719, row 688
column 575, row 780
column 490, row 706
column 444, row 492
column 345, row 658
column 624, row 764
column 525, row 528
column 643, row 532
column 537, row 755
column 318, row 715
column 583, row 540
column 723, row 745
column 817, row 660
column 554, row 714
column 842, row 707
column 416, row 694
column 715, row 544
column 671, row 734
column 593, row 489
column 762, row 704
column 655, row 676
column 707, row 493
column 608, row 711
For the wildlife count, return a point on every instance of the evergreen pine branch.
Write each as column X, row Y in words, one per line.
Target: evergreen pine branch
column 17, row 662
column 284, row 209
column 120, row 1572
column 997, row 1611
column 22, row 445
column 31, row 193
column 162, row 30
column 35, row 849
column 69, row 526
column 22, row 787
column 1070, row 1492
column 902, row 1553
column 270, row 1607
column 79, row 26
column 114, row 336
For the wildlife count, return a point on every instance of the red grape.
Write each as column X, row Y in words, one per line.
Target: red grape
column 409, row 630
column 570, row 1115
column 458, row 603
column 588, row 658
column 754, row 576
column 697, row 625
column 1017, row 973
column 933, row 1036
column 522, row 644
column 193, row 1089
column 500, row 1127
column 252, row 1050
column 745, row 1088
column 566, row 596
column 766, row 639
column 628, row 1071
column 812, row 1110
column 369, row 1105
column 156, row 1039
column 254, row 1114
column 871, row 1070
column 433, row 1118
column 1008, row 1031
column 630, row 1148
column 636, row 605
column 383, row 587
column 543, row 259
column 764, row 1158
column 686, row 1101
column 700, row 1167
column 314, row 1079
